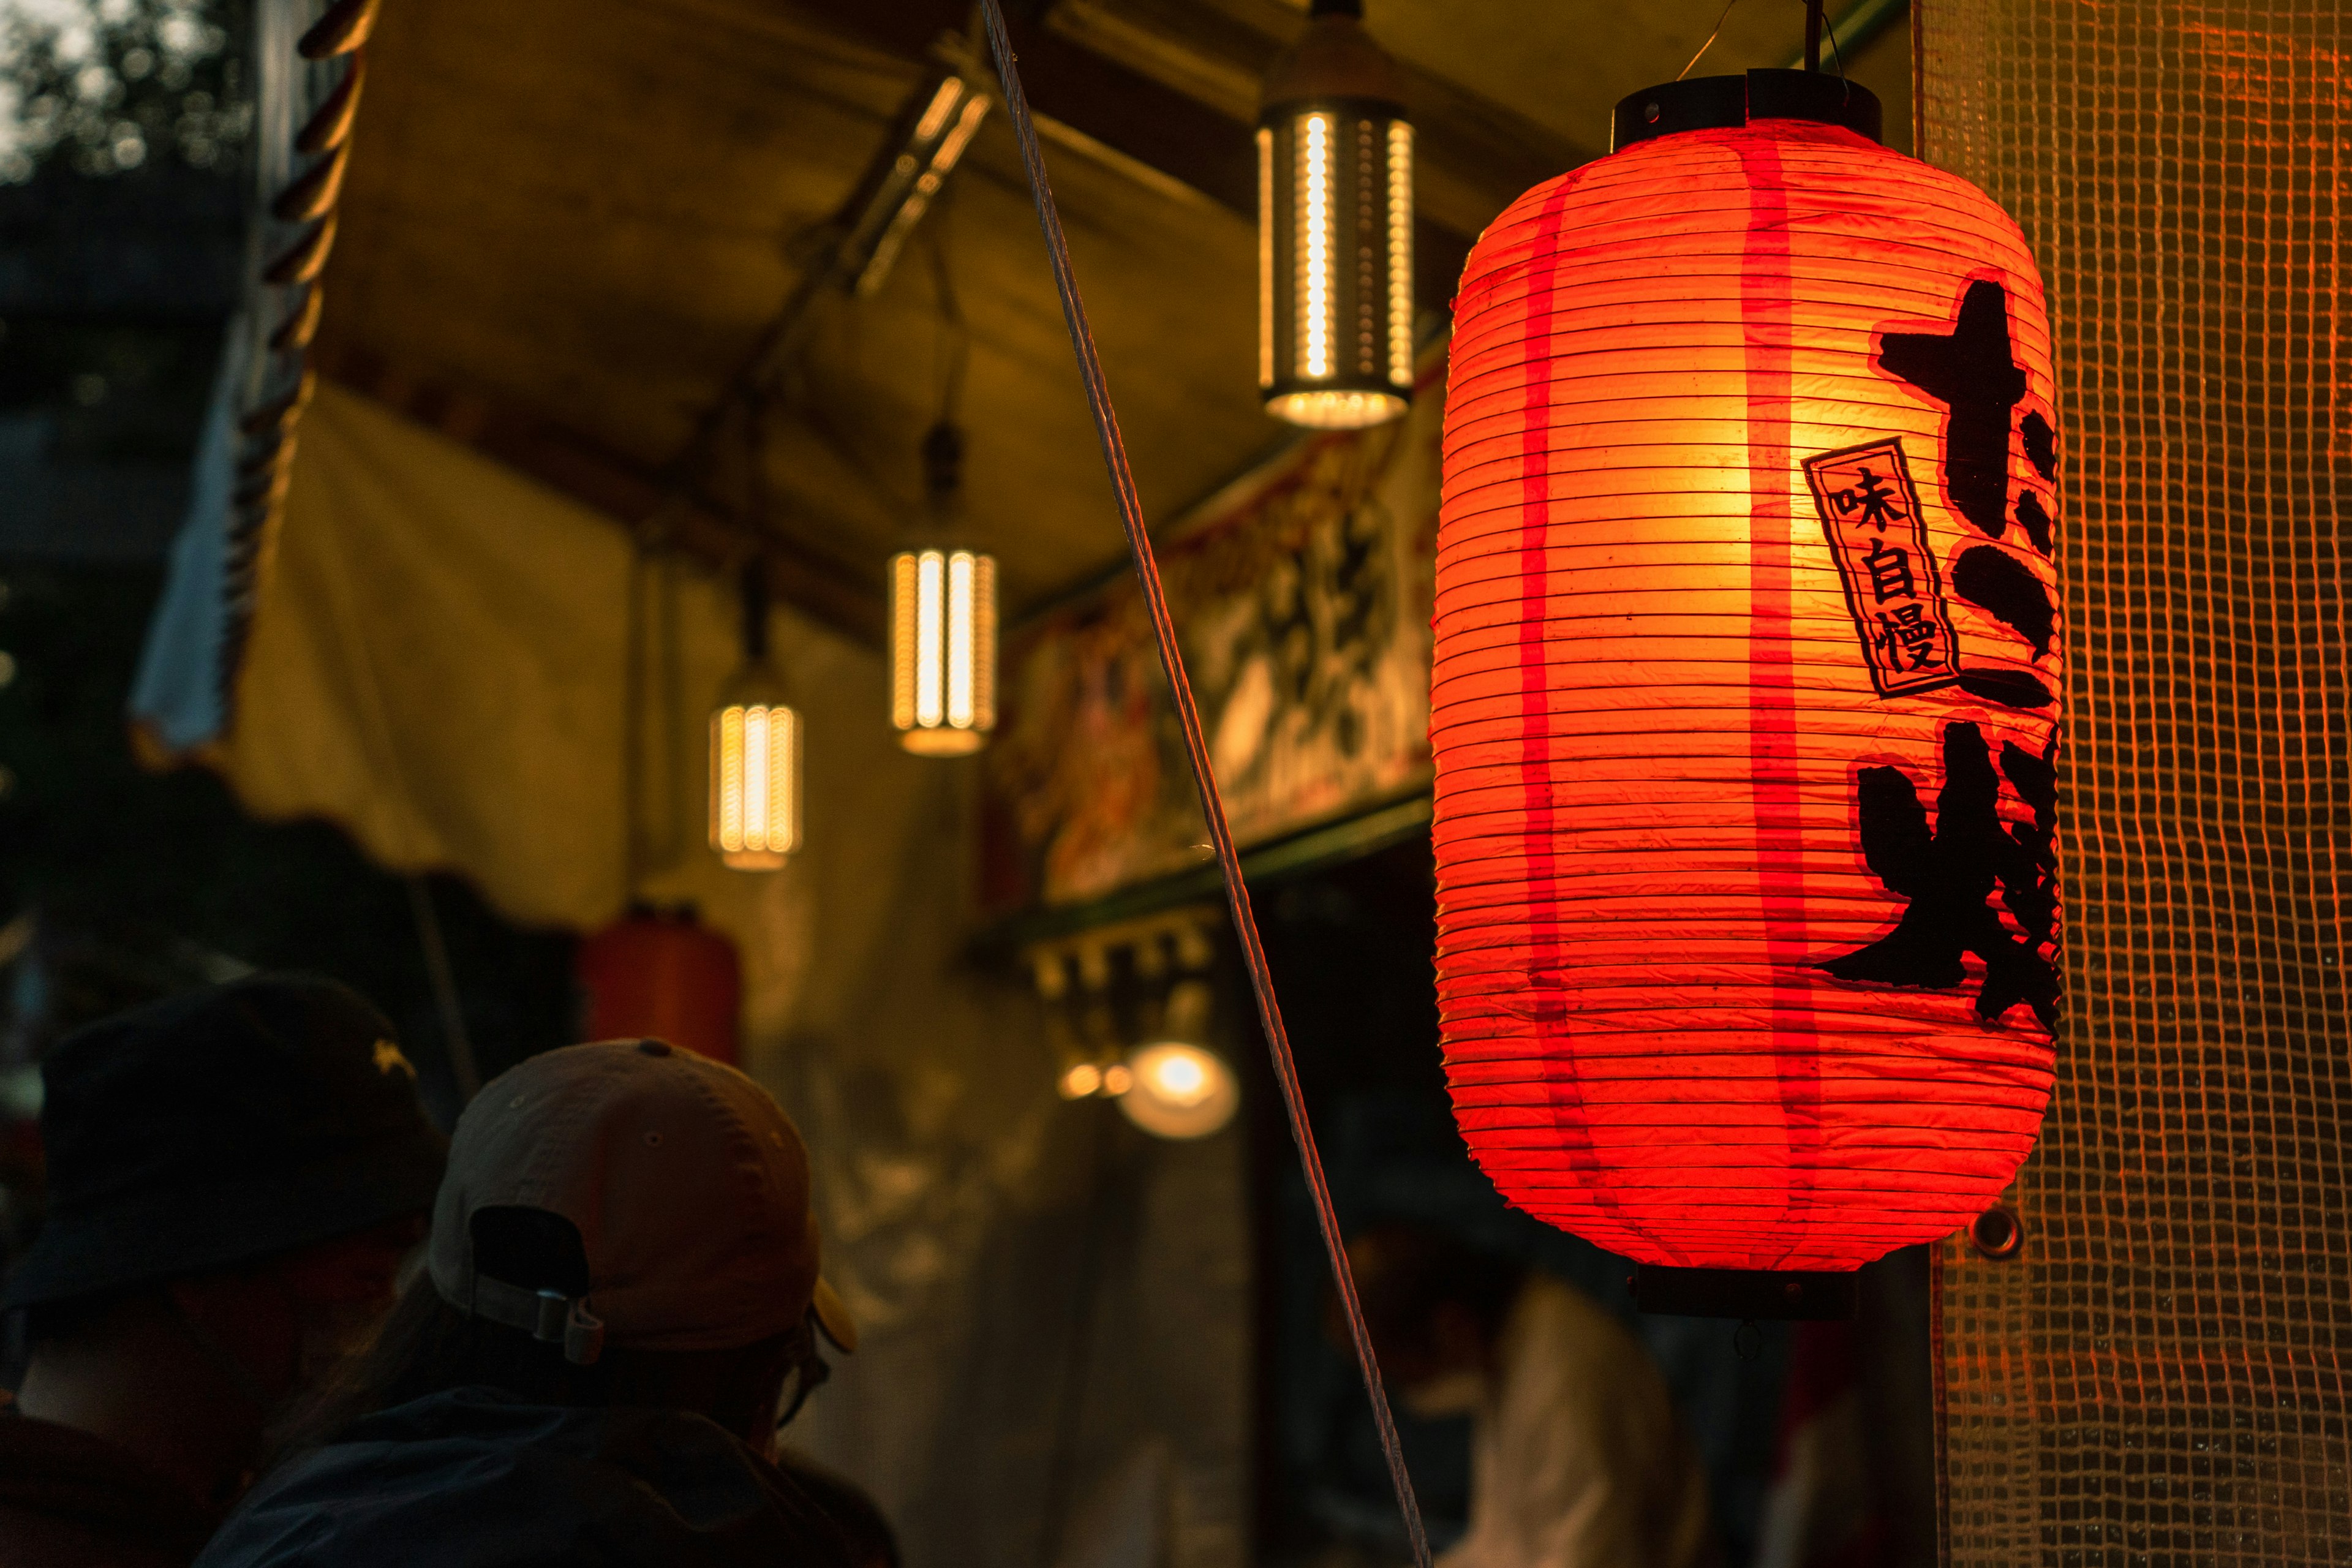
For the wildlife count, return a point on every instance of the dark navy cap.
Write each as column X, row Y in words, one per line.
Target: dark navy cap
column 219, row 1127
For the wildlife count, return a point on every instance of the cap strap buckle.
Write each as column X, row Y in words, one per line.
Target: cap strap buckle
column 583, row 1334
column 549, row 1316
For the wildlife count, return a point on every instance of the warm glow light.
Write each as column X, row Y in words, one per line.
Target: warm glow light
column 1179, row 1090
column 1337, row 410
column 959, row 648
column 931, row 651
column 936, row 112
column 1265, row 258
column 755, row 784
column 1176, row 1076
column 1315, row 245
column 1082, row 1081
column 943, row 650
column 967, row 126
column 1400, row 253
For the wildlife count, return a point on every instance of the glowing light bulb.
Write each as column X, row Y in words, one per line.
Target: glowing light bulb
column 1335, row 211
column 943, row 650
column 755, row 784
column 1179, row 1090
column 1315, row 280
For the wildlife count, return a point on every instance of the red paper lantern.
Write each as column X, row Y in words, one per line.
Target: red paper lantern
column 658, row 974
column 1744, row 702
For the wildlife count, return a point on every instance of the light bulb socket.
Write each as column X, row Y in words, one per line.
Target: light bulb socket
column 942, row 463
column 1336, row 60
column 754, row 587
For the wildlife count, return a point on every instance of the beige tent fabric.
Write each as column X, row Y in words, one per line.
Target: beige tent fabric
column 438, row 665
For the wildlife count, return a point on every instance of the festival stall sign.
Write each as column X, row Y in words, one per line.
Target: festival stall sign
column 1302, row 596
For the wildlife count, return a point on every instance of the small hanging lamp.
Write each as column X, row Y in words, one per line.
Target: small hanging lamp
column 755, row 751
column 943, row 618
column 1335, row 229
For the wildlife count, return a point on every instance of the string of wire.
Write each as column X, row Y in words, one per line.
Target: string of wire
column 1163, row 626
column 1719, row 21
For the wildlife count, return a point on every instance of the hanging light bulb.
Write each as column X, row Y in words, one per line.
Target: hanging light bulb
column 755, row 751
column 1178, row 1087
column 1335, row 229
column 943, row 620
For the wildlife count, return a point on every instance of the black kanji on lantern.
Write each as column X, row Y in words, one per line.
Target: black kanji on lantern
column 1948, row 874
column 1970, row 371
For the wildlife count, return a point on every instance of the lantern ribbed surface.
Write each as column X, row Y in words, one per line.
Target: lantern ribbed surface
column 1744, row 700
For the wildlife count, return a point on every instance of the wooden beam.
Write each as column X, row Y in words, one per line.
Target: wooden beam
column 829, row 591
column 1472, row 158
column 1120, row 108
column 1146, row 87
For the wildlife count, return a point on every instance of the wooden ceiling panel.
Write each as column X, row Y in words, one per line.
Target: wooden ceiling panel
column 586, row 216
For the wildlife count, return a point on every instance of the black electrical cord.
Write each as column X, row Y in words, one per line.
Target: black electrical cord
column 1163, row 626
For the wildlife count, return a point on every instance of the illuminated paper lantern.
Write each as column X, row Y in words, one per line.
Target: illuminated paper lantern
column 1335, row 229
column 1745, row 690
column 659, row 973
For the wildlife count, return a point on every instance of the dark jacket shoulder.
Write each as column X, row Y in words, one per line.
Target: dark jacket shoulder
column 475, row 1478
column 71, row 1500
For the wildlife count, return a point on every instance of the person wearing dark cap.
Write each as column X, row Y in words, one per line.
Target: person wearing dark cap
column 620, row 1311
column 235, row 1175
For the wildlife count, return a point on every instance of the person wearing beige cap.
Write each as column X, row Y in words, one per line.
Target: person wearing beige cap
column 620, row 1309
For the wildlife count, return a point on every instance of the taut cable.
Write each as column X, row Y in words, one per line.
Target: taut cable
column 1213, row 806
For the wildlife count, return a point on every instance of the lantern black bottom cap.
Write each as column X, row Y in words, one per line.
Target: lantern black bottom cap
column 1744, row 1293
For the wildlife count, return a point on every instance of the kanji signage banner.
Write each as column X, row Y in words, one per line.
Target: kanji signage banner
column 1301, row 596
column 1890, row 584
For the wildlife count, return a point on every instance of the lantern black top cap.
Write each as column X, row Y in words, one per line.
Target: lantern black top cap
column 1336, row 8
column 1719, row 102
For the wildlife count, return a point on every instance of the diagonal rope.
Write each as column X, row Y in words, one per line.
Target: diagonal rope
column 1213, row 806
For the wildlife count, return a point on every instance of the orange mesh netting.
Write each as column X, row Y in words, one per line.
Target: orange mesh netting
column 2159, row 1377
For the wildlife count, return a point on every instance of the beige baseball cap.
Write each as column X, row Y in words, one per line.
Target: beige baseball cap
column 688, row 1184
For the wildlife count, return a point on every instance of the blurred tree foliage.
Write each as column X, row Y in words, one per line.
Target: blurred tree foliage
column 142, row 882
column 106, row 86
